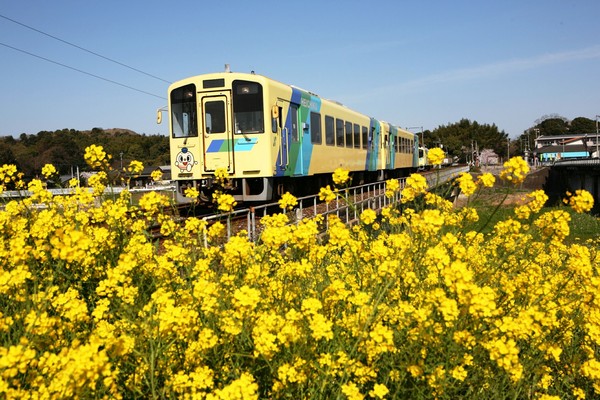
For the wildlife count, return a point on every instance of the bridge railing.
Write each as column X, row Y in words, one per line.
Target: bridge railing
column 348, row 205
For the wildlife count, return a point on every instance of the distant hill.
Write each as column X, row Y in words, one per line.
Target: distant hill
column 65, row 149
column 118, row 131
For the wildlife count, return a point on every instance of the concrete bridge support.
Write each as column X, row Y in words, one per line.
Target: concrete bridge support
column 571, row 176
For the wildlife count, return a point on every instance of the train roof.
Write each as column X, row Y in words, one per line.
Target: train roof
column 262, row 78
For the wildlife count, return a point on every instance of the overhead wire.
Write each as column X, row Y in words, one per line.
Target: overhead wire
column 83, row 49
column 81, row 71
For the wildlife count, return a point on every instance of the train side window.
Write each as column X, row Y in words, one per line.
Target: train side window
column 339, row 132
column 365, row 137
column 356, row 136
column 348, row 127
column 315, row 128
column 329, row 131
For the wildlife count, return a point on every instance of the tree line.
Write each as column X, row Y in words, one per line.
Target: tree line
column 65, row 149
column 462, row 138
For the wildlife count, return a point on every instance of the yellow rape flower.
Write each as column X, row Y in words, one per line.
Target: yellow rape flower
column 515, row 170
column 466, row 183
column 321, row 327
column 554, row 224
column 153, row 202
column 98, row 182
column 288, row 201
column 225, row 202
column 352, row 391
column 581, row 202
column 8, row 172
column 486, row 180
column 156, row 175
column 368, row 216
column 416, row 184
column 436, row 156
column 135, row 167
column 244, row 388
column 537, row 200
column 326, row 194
column 379, row 391
column 38, row 192
column 191, row 193
column 391, row 187
column 221, row 177
column 96, row 157
column 48, row 170
column 246, row 298
column 341, row 176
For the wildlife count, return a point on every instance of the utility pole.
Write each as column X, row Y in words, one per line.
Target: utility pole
column 422, row 138
column 597, row 152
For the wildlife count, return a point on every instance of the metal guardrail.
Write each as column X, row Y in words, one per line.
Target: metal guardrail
column 371, row 195
column 17, row 194
column 582, row 162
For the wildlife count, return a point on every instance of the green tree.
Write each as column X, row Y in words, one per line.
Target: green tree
column 460, row 138
column 552, row 125
column 6, row 154
column 582, row 125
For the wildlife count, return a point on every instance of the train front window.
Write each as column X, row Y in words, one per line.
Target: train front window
column 183, row 111
column 248, row 111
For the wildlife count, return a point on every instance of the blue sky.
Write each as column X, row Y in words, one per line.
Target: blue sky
column 426, row 63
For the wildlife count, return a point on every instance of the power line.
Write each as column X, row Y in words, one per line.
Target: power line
column 81, row 71
column 84, row 49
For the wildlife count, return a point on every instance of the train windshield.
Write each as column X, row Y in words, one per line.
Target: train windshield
column 183, row 111
column 248, row 111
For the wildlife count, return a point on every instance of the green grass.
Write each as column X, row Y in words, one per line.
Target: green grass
column 583, row 226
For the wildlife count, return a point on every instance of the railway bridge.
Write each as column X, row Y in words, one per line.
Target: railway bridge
column 572, row 175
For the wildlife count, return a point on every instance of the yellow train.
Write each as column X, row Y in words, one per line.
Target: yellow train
column 272, row 138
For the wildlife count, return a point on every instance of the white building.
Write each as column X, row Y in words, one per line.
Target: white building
column 552, row 148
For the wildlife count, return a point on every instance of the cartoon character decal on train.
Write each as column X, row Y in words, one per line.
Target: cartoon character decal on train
column 184, row 160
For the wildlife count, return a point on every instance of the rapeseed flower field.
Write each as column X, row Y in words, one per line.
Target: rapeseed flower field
column 409, row 302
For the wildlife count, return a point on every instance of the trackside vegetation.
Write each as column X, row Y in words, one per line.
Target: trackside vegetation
column 415, row 301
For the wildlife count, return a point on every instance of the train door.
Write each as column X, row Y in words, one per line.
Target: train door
column 217, row 132
column 387, row 152
column 289, row 134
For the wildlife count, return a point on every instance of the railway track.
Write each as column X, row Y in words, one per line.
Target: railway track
column 360, row 197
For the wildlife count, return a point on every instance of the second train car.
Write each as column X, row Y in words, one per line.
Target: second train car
column 273, row 138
